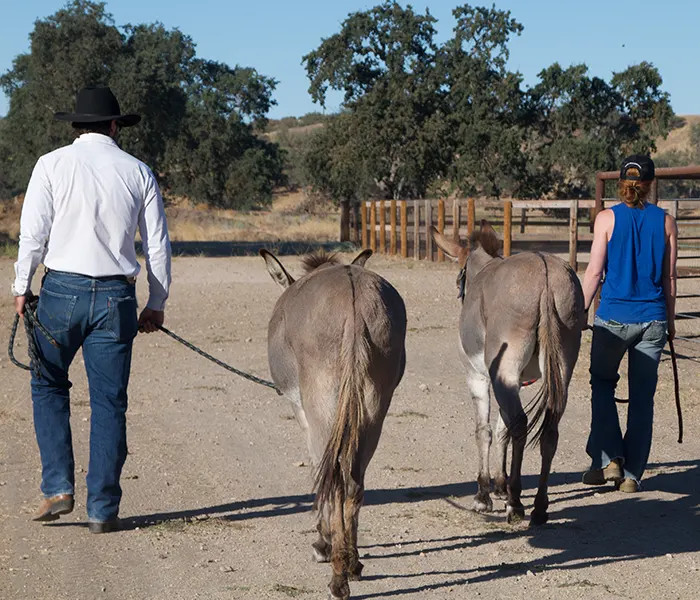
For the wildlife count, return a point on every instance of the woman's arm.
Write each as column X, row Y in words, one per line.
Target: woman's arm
column 669, row 274
column 602, row 230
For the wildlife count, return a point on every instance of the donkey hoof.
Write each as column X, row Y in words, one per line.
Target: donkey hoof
column 515, row 514
column 355, row 573
column 482, row 504
column 321, row 552
column 339, row 590
column 539, row 518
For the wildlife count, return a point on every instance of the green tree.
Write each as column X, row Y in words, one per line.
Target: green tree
column 217, row 149
column 150, row 77
column 73, row 48
column 485, row 104
column 199, row 117
column 383, row 60
column 583, row 124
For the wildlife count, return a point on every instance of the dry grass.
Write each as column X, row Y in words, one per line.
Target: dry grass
column 285, row 221
column 678, row 139
column 289, row 219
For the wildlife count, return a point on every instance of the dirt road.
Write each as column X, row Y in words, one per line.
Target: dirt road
column 216, row 485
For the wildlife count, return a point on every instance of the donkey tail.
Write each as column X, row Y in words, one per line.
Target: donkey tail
column 547, row 407
column 335, row 468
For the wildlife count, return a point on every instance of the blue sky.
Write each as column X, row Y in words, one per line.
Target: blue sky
column 273, row 35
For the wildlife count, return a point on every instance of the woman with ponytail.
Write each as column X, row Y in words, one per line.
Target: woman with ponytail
column 634, row 248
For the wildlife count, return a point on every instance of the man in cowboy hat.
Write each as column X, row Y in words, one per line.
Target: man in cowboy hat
column 83, row 206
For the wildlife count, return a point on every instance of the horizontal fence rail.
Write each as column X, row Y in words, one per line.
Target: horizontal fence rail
column 402, row 228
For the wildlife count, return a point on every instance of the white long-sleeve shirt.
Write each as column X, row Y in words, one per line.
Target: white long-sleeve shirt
column 83, row 205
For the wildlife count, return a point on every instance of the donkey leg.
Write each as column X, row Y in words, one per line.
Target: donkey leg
column 548, row 447
column 353, row 503
column 515, row 420
column 550, row 435
column 338, row 586
column 500, row 479
column 322, row 546
column 479, row 387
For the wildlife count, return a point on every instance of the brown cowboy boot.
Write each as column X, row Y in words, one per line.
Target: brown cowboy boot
column 52, row 508
column 613, row 472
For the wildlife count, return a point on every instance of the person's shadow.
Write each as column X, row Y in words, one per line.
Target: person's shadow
column 625, row 527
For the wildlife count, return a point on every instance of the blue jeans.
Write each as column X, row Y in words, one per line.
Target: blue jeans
column 644, row 343
column 98, row 314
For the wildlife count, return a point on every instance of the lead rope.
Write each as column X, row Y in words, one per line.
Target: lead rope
column 677, row 391
column 31, row 322
column 222, row 364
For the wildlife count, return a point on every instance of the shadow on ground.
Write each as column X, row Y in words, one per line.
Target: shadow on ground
column 624, row 527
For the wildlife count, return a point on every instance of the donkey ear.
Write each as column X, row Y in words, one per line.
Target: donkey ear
column 488, row 239
column 449, row 246
column 276, row 270
column 362, row 257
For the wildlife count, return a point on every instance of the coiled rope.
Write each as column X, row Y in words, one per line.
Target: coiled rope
column 31, row 322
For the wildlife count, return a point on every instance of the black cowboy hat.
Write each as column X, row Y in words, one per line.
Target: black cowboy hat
column 93, row 104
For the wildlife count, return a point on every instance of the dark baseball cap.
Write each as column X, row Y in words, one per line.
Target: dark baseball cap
column 642, row 163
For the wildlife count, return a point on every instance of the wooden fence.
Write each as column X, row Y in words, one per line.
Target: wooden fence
column 402, row 227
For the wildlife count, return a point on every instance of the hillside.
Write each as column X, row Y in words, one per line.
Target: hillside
column 679, row 138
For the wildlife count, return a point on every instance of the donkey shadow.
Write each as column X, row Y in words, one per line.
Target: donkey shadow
column 636, row 527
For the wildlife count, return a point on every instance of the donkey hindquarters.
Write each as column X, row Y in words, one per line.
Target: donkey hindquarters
column 521, row 319
column 532, row 330
column 336, row 347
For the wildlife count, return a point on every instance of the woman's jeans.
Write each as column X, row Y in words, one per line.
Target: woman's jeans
column 98, row 314
column 644, row 342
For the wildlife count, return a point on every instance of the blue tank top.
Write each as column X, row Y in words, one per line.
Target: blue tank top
column 633, row 288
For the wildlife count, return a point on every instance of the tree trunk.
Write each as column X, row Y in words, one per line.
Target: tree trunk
column 357, row 234
column 344, row 220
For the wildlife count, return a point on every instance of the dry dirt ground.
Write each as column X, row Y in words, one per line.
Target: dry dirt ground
column 216, row 486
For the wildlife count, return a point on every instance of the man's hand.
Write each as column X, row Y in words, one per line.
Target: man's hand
column 150, row 320
column 20, row 302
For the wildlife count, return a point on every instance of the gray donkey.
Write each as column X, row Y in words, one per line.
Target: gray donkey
column 521, row 320
column 336, row 349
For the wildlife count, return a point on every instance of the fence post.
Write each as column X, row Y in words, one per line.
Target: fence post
column 363, row 217
column 441, row 227
column 455, row 219
column 404, row 228
column 573, row 235
column 416, row 230
column 523, row 219
column 674, row 209
column 599, row 195
column 507, row 226
column 392, row 228
column 382, row 227
column 345, row 220
column 372, row 225
column 471, row 215
column 428, row 235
